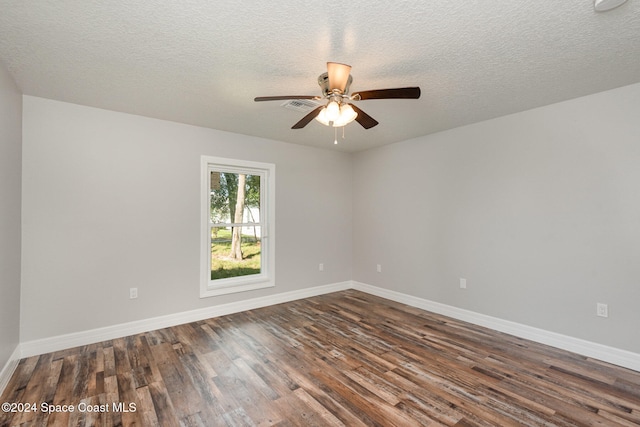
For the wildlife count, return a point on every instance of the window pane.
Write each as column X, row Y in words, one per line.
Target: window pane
column 235, row 198
column 235, row 251
column 252, row 199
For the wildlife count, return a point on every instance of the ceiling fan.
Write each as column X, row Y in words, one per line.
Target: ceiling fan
column 339, row 111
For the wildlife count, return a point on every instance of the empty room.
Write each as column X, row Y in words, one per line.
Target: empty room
column 320, row 214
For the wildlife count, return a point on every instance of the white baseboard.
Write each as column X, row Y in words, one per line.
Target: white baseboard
column 9, row 368
column 608, row 354
column 590, row 349
column 61, row 342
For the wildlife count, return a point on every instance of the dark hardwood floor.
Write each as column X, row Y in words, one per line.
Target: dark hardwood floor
column 346, row 358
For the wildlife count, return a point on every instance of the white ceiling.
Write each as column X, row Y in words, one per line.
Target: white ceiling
column 203, row 61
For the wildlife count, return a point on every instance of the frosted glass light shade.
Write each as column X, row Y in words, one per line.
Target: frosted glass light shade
column 332, row 111
column 322, row 117
column 338, row 76
column 346, row 114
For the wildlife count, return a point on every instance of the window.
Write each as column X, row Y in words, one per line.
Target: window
column 237, row 226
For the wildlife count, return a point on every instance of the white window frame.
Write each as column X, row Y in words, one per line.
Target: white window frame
column 266, row 278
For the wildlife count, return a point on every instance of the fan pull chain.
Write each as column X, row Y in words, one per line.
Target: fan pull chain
column 335, row 134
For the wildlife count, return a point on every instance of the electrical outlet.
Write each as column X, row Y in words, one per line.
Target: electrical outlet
column 379, row 268
column 321, row 267
column 463, row 283
column 602, row 310
column 133, row 293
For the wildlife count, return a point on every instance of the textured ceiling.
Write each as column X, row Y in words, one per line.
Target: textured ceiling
column 203, row 61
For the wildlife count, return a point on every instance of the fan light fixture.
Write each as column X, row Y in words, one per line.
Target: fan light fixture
column 336, row 115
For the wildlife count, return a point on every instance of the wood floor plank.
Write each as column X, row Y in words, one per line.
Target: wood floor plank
column 341, row 359
column 64, row 390
column 162, row 405
column 16, row 388
column 148, row 415
column 35, row 387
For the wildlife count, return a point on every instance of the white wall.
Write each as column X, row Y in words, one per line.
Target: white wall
column 112, row 201
column 539, row 211
column 10, row 203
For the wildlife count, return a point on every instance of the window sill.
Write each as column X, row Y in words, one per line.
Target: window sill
column 235, row 285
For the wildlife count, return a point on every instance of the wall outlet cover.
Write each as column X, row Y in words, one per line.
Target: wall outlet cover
column 602, row 310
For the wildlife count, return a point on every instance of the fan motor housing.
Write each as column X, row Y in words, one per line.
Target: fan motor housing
column 323, row 81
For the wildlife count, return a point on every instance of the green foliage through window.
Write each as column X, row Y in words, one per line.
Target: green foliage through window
column 235, row 217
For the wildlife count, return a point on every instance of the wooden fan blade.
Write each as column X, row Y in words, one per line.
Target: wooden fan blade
column 306, row 119
column 364, row 119
column 397, row 93
column 338, row 75
column 280, row 98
